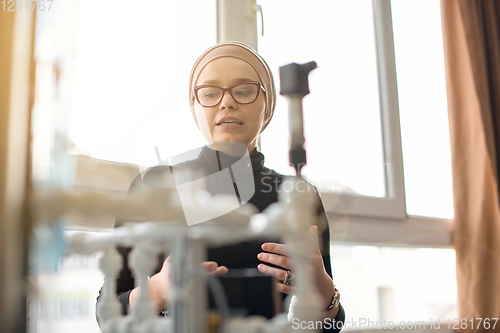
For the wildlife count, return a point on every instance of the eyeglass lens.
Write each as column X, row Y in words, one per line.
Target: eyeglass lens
column 242, row 93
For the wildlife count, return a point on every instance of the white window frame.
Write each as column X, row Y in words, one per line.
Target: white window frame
column 372, row 220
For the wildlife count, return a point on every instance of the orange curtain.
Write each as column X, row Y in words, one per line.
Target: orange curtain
column 471, row 31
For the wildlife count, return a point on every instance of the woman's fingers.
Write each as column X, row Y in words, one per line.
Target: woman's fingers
column 275, row 259
column 284, row 250
column 284, row 288
column 279, row 259
column 281, row 256
column 210, row 265
column 277, row 248
column 166, row 262
column 276, row 272
column 313, row 230
column 214, row 268
column 220, row 271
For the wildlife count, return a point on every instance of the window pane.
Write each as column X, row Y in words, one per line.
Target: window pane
column 131, row 77
column 66, row 300
column 395, row 284
column 342, row 113
column 423, row 108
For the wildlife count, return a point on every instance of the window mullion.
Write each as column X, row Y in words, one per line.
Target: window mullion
column 391, row 131
column 237, row 21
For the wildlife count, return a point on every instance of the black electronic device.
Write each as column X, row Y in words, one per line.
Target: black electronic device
column 249, row 292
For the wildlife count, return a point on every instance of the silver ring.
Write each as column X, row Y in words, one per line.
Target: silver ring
column 288, row 278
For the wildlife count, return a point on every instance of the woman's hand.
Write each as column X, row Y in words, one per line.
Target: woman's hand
column 281, row 257
column 159, row 284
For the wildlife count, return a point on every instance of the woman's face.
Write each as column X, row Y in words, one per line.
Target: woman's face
column 226, row 72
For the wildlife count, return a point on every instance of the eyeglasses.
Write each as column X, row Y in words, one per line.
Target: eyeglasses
column 242, row 93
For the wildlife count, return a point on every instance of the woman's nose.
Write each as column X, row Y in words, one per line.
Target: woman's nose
column 227, row 102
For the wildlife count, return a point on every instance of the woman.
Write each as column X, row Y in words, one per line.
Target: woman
column 232, row 97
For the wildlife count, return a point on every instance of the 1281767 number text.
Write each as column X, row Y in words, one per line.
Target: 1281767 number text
column 20, row 5
column 473, row 323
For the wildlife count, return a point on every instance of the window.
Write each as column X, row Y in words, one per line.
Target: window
column 423, row 108
column 409, row 78
column 127, row 55
column 66, row 300
column 395, row 284
column 343, row 131
column 353, row 142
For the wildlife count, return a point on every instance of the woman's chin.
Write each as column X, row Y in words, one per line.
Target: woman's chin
column 229, row 137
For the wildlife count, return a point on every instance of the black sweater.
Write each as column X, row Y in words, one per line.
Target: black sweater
column 209, row 162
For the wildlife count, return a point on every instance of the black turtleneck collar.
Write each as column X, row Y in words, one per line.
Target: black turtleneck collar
column 215, row 161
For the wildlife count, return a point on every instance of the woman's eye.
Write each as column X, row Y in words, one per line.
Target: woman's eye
column 211, row 94
column 243, row 92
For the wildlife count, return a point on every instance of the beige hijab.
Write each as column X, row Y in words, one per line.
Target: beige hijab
column 246, row 53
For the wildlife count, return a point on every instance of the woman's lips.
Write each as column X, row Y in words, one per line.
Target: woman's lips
column 230, row 126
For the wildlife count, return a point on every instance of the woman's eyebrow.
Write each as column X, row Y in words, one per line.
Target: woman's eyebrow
column 242, row 80
column 211, row 82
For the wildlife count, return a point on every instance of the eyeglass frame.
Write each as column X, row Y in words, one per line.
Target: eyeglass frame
column 195, row 92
